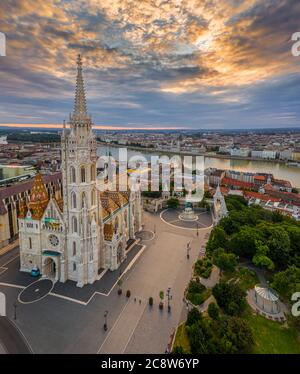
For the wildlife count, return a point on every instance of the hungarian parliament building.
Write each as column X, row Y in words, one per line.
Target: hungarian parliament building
column 80, row 232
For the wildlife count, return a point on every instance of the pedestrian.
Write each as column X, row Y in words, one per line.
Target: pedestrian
column 140, row 301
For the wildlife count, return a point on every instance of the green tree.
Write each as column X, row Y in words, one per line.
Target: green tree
column 200, row 337
column 217, row 239
column 243, row 243
column 239, row 335
column 195, row 293
column 230, row 297
column 287, row 282
column 231, row 223
column 293, row 232
column 260, row 258
column 203, row 267
column 197, row 339
column 225, row 261
column 277, row 217
column 236, row 203
column 213, row 311
column 161, row 295
column 193, row 316
column 279, row 245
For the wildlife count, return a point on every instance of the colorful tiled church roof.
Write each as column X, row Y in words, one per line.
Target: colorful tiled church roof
column 111, row 201
column 38, row 198
column 23, row 209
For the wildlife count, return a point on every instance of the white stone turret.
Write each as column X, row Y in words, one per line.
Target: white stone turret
column 79, row 185
column 220, row 208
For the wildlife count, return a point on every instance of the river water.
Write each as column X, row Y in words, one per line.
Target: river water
column 9, row 171
column 280, row 171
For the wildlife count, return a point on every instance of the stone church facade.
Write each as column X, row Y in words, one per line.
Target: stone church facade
column 76, row 236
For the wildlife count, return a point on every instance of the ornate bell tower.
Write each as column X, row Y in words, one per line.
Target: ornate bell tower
column 79, row 186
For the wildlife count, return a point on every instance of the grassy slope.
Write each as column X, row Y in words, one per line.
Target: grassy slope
column 272, row 337
column 181, row 338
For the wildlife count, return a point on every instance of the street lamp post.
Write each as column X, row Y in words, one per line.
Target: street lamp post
column 169, row 297
column 154, row 230
column 15, row 311
column 105, row 320
column 188, row 248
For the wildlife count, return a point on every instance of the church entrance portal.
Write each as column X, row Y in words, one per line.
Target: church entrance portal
column 49, row 268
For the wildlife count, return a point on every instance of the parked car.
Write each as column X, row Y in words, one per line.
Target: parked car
column 35, row 272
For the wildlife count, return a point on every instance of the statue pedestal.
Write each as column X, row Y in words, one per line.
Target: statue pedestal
column 188, row 215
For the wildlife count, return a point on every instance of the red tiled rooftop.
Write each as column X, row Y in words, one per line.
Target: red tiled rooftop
column 260, row 177
column 257, row 195
column 237, row 183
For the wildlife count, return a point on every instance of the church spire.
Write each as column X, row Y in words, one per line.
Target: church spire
column 80, row 109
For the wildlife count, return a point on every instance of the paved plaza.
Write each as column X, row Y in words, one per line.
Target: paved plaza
column 62, row 318
column 172, row 217
column 36, row 291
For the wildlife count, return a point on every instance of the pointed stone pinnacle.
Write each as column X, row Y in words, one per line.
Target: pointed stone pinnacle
column 80, row 101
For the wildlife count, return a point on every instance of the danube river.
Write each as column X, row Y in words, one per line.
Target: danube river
column 10, row 171
column 279, row 170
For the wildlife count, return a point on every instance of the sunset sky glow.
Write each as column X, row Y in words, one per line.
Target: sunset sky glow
column 150, row 64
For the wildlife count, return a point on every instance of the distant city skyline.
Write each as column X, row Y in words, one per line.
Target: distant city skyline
column 153, row 65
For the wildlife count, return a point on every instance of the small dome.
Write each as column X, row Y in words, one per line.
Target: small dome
column 266, row 293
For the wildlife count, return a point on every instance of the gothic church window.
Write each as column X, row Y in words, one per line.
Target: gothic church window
column 73, row 174
column 82, row 173
column 93, row 172
column 74, row 201
column 30, row 243
column 74, row 224
column 74, row 248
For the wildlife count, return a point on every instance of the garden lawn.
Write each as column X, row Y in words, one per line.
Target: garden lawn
column 181, row 339
column 272, row 337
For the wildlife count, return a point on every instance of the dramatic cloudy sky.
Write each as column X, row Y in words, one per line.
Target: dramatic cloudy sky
column 152, row 63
